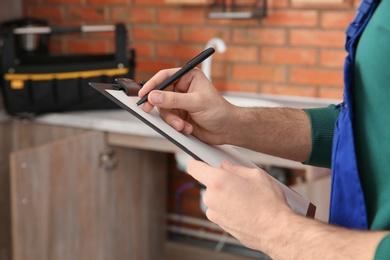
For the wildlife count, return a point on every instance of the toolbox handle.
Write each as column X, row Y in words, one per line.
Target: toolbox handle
column 59, row 30
column 9, row 59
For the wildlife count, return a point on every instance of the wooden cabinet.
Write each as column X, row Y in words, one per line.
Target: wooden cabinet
column 73, row 196
column 68, row 193
column 5, row 205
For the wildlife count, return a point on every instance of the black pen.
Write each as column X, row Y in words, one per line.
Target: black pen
column 189, row 66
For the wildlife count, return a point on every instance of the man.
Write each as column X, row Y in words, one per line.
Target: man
column 248, row 204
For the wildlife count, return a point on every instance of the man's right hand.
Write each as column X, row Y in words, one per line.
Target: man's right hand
column 191, row 105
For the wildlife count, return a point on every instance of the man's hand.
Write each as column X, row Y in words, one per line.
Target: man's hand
column 247, row 203
column 191, row 105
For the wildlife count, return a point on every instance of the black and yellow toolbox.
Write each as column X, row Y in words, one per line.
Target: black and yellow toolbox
column 37, row 82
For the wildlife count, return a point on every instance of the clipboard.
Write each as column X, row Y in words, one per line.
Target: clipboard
column 124, row 94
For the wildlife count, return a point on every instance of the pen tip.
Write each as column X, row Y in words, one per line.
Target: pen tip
column 140, row 102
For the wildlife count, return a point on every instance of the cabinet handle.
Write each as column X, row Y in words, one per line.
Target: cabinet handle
column 107, row 160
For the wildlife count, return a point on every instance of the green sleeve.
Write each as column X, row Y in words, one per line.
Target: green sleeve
column 322, row 121
column 383, row 249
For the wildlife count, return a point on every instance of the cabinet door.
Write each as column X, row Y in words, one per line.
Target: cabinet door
column 66, row 204
column 5, row 214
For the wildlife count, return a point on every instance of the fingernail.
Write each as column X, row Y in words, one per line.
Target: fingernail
column 175, row 123
column 156, row 98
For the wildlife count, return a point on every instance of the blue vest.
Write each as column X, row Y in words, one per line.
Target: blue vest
column 347, row 207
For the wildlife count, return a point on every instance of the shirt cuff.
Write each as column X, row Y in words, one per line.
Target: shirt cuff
column 322, row 121
column 383, row 249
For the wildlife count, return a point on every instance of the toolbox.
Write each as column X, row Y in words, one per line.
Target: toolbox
column 36, row 83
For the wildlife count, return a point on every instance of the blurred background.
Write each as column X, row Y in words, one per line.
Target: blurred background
column 142, row 205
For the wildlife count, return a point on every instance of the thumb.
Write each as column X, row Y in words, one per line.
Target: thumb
column 173, row 100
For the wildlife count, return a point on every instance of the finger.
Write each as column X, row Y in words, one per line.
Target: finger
column 239, row 170
column 156, row 80
column 176, row 121
column 147, row 107
column 212, row 216
column 173, row 100
column 202, row 172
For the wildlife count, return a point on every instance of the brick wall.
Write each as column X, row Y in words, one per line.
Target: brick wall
column 296, row 50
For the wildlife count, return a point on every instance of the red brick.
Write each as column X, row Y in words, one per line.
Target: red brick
column 259, row 36
column 275, row 89
column 152, row 66
column 110, row 47
column 291, row 18
column 86, row 13
column 48, row 12
column 220, row 70
column 155, row 33
column 230, row 86
column 191, row 34
column 109, row 2
column 317, row 38
column 133, row 15
column 143, row 49
column 64, row 1
column 324, row 5
column 233, row 22
column 337, row 19
column 152, row 3
column 141, row 75
column 316, row 77
column 259, row 73
column 56, row 45
column 271, row 4
column 332, row 58
column 288, row 56
column 332, row 93
column 178, row 51
column 236, row 53
column 181, row 16
column 274, row 4
column 86, row 46
column 189, row 3
column 242, row 2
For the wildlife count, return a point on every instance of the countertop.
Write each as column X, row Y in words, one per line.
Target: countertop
column 121, row 122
